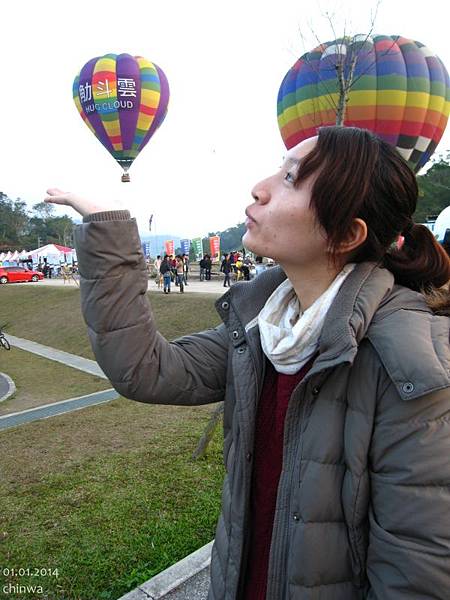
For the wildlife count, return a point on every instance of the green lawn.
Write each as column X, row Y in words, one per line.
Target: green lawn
column 40, row 381
column 108, row 495
column 52, row 316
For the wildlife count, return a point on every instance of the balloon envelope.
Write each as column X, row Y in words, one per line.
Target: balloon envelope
column 400, row 91
column 123, row 100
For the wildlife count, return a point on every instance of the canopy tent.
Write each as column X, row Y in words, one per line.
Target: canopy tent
column 12, row 259
column 54, row 253
column 442, row 224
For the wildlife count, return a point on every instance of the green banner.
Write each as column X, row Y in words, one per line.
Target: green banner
column 198, row 248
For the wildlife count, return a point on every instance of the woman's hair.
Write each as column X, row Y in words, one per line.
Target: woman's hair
column 439, row 300
column 358, row 175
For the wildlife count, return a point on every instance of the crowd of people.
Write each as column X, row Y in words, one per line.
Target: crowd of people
column 170, row 269
column 50, row 271
column 235, row 266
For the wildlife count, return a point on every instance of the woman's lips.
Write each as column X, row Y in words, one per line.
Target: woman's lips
column 249, row 220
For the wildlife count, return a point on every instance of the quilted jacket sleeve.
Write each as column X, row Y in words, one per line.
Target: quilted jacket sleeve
column 409, row 548
column 139, row 362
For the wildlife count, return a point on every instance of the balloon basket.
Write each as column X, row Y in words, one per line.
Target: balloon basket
column 126, row 178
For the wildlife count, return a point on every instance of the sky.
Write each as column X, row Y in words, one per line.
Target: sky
column 224, row 61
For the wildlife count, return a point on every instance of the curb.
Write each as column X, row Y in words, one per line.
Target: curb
column 54, row 409
column 169, row 580
column 11, row 387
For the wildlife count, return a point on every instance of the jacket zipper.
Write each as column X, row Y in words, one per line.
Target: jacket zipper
column 280, row 567
column 244, row 552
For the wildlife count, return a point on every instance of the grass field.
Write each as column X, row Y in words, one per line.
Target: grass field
column 32, row 374
column 52, row 315
column 108, row 495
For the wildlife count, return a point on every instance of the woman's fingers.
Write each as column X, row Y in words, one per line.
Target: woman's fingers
column 78, row 203
column 57, row 196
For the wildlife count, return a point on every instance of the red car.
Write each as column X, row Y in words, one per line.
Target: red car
column 15, row 274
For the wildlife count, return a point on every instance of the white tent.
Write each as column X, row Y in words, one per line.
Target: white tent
column 54, row 253
column 442, row 224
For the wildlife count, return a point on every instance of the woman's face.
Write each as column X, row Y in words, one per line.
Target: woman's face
column 280, row 224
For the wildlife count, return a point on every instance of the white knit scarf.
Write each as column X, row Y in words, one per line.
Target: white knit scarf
column 290, row 336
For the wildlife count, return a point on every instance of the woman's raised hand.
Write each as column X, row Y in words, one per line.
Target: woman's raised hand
column 81, row 205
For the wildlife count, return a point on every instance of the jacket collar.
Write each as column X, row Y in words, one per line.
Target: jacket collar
column 367, row 298
column 347, row 320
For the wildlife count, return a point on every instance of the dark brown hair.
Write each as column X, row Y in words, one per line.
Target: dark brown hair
column 358, row 175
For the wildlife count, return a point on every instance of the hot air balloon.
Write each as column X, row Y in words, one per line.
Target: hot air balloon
column 400, row 91
column 123, row 100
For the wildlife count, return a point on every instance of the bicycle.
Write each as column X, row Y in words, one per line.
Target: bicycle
column 3, row 341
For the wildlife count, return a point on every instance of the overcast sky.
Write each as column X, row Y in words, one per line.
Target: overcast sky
column 224, row 62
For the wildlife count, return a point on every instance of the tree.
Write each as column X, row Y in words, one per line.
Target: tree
column 13, row 222
column 44, row 210
column 59, row 230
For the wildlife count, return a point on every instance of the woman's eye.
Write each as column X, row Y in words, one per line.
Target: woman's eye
column 289, row 177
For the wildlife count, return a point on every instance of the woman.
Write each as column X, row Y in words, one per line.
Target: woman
column 225, row 268
column 165, row 271
column 334, row 371
column 157, row 266
column 179, row 269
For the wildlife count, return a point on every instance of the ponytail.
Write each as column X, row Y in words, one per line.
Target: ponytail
column 421, row 263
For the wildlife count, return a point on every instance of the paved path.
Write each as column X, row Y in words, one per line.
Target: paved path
column 67, row 359
column 215, row 286
column 56, row 408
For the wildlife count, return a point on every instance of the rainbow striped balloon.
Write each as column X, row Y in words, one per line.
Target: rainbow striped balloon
column 123, row 100
column 401, row 91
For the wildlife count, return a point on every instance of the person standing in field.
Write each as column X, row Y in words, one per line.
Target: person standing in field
column 226, row 270
column 179, row 267
column 157, row 266
column 334, row 369
column 208, row 267
column 186, row 268
column 166, row 271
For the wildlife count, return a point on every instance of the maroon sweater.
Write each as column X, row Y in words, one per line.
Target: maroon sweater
column 268, row 459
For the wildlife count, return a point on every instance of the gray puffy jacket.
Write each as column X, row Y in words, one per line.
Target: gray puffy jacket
column 363, row 506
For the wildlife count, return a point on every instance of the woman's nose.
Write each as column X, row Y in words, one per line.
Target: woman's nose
column 260, row 194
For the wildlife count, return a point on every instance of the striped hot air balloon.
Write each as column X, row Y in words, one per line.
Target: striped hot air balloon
column 400, row 90
column 123, row 100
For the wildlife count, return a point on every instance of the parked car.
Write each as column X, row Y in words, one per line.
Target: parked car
column 16, row 274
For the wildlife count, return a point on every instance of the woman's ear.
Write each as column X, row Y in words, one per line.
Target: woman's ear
column 356, row 236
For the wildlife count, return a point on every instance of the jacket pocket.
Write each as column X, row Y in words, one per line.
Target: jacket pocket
column 358, row 530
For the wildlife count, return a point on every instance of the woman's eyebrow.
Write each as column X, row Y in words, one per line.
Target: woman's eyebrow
column 292, row 161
